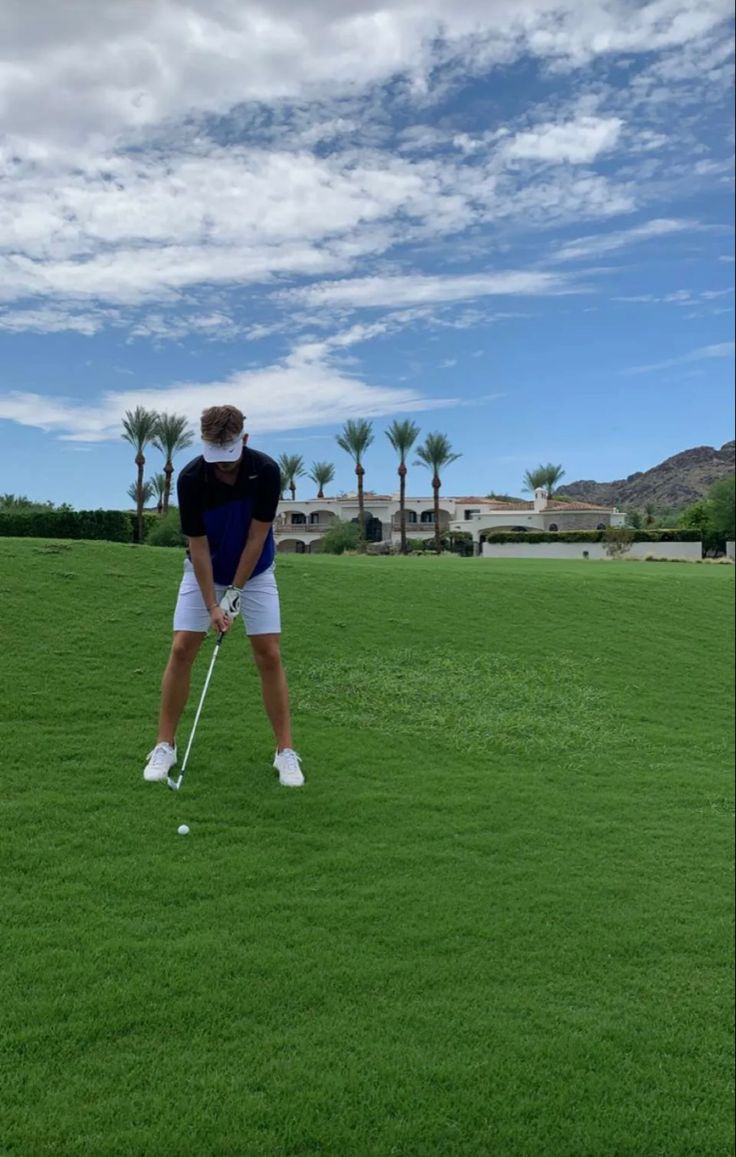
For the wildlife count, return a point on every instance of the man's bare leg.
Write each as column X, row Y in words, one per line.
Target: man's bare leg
column 267, row 654
column 176, row 682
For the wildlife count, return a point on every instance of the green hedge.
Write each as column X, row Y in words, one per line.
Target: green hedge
column 502, row 536
column 150, row 522
column 110, row 525
column 164, row 529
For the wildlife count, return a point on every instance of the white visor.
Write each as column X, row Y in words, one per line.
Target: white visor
column 223, row 452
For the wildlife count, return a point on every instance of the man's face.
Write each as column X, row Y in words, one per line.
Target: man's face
column 229, row 467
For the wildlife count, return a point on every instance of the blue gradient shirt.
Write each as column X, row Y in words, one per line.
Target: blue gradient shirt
column 224, row 512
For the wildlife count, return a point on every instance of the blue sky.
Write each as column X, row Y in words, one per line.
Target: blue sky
column 511, row 223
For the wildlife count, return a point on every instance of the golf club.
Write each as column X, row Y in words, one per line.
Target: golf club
column 175, row 784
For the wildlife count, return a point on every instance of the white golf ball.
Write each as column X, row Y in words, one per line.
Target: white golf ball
column 183, row 830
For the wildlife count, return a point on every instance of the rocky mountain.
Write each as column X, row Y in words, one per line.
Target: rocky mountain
column 676, row 482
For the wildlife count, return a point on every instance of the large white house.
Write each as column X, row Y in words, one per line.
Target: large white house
column 301, row 523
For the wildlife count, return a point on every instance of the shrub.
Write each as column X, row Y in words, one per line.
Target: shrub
column 111, row 525
column 340, row 537
column 150, row 519
column 618, row 540
column 165, row 530
column 586, row 536
column 714, row 516
column 722, row 499
column 458, row 542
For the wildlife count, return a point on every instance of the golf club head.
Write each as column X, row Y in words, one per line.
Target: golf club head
column 174, row 784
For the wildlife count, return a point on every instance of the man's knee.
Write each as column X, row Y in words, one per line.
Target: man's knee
column 184, row 647
column 266, row 652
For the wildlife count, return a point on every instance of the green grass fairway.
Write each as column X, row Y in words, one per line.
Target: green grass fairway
column 496, row 922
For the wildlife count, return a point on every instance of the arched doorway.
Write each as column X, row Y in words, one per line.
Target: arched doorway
column 373, row 527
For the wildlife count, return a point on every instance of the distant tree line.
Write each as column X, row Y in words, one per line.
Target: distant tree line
column 714, row 516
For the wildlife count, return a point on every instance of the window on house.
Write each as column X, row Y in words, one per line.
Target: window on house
column 314, row 518
column 471, row 513
column 298, row 519
column 553, row 526
column 427, row 516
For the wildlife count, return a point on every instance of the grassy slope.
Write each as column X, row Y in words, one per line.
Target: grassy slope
column 496, row 921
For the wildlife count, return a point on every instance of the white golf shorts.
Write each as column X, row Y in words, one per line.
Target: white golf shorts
column 259, row 604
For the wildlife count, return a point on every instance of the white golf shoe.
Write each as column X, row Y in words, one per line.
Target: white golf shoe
column 160, row 762
column 286, row 763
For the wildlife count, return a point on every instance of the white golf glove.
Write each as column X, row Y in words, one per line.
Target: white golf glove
column 230, row 602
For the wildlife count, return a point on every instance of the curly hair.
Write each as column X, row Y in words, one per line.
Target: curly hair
column 221, row 424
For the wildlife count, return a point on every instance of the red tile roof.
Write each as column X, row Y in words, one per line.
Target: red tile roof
column 575, row 506
column 489, row 504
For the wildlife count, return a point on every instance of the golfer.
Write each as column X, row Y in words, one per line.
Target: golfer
column 227, row 503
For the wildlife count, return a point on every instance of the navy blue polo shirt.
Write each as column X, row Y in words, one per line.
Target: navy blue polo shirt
column 223, row 512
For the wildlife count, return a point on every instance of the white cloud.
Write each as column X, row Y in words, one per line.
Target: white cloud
column 593, row 246
column 367, row 292
column 704, row 353
column 576, row 142
column 95, row 68
column 208, row 326
column 304, row 390
column 677, row 297
column 108, row 192
column 114, row 188
column 51, row 320
column 130, row 228
column 134, row 228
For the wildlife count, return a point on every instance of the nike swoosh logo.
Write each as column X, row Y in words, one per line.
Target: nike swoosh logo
column 252, row 476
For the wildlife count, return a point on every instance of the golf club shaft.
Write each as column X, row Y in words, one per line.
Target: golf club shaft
column 201, row 704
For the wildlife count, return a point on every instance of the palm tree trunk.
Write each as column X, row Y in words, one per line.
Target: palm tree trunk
column 292, row 488
column 436, row 487
column 168, row 471
column 402, row 506
column 361, row 508
column 140, row 463
column 320, row 494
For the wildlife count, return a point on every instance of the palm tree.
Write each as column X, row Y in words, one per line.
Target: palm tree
column 533, row 479
column 547, row 476
column 552, row 475
column 139, row 428
column 322, row 473
column 436, row 453
column 172, row 435
column 15, row 502
column 356, row 437
column 144, row 493
column 402, row 436
column 292, row 467
column 158, row 482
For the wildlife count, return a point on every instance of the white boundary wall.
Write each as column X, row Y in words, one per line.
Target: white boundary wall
column 731, row 550
column 690, row 551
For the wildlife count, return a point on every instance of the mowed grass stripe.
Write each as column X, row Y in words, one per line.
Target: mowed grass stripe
column 497, row 920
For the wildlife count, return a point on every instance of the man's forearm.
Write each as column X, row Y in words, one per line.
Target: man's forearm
column 251, row 553
column 202, row 563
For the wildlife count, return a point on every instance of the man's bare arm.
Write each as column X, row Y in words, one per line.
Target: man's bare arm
column 257, row 535
column 199, row 552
